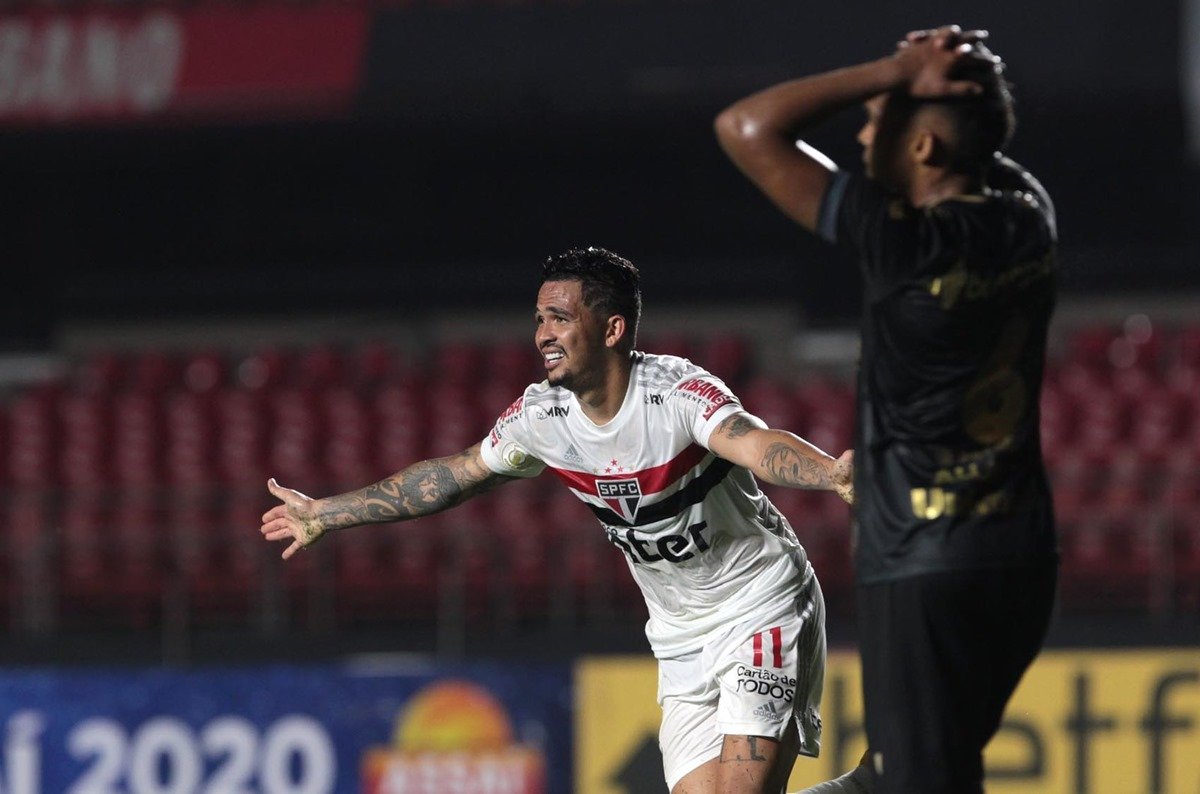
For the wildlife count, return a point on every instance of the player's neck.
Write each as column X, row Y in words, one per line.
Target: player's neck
column 929, row 186
column 603, row 401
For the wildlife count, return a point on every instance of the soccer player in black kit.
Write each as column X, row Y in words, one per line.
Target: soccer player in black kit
column 956, row 558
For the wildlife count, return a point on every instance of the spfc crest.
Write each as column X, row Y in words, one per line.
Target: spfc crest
column 623, row 496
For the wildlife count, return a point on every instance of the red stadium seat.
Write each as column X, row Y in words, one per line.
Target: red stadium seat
column 205, row 371
column 1103, row 422
column 243, row 424
column 727, row 356
column 137, row 439
column 511, row 365
column 375, row 363
column 670, row 343
column 190, row 432
column 457, row 362
column 1184, row 527
column 525, row 577
column 264, row 369
column 1159, row 419
column 320, row 367
column 1058, row 422
column 99, row 372
column 774, row 402
column 401, row 426
column 153, row 371
column 32, row 459
column 86, row 443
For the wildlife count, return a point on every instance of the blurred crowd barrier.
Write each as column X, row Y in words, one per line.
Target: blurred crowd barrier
column 132, row 485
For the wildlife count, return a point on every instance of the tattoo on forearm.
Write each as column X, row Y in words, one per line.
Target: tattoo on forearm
column 754, row 754
column 786, row 466
column 422, row 489
column 736, row 426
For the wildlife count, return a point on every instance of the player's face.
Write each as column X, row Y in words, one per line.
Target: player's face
column 569, row 336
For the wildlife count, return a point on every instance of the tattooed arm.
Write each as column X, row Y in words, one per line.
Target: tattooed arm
column 421, row 489
column 781, row 458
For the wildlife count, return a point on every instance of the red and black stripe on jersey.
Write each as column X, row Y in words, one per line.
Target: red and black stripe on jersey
column 652, row 481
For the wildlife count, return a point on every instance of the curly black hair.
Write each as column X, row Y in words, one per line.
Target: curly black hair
column 610, row 283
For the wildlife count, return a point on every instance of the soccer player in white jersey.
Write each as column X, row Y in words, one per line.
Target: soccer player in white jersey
column 666, row 457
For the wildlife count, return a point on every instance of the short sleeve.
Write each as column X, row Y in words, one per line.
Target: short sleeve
column 879, row 228
column 702, row 401
column 506, row 450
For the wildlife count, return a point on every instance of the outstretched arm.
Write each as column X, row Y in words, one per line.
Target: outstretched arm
column 761, row 132
column 421, row 489
column 780, row 457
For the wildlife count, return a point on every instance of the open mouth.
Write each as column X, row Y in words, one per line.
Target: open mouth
column 552, row 358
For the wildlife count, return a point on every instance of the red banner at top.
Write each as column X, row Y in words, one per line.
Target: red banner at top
column 229, row 63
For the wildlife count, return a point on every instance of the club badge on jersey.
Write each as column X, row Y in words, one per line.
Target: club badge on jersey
column 623, row 496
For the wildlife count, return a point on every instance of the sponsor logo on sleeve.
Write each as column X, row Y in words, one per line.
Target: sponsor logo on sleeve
column 511, row 414
column 705, row 393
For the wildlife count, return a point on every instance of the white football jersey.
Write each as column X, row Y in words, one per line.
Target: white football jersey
column 704, row 544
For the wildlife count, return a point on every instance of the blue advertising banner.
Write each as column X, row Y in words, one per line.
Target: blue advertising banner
column 385, row 728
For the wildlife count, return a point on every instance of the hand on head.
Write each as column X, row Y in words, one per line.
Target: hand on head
column 937, row 63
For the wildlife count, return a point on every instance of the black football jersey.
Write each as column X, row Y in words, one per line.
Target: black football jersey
column 957, row 300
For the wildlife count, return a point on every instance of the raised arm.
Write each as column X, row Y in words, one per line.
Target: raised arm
column 761, row 132
column 422, row 489
column 780, row 457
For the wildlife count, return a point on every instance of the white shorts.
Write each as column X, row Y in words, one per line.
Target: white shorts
column 748, row 680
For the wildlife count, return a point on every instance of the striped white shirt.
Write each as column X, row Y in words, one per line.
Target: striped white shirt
column 704, row 544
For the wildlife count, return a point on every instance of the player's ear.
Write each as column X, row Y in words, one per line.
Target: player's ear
column 615, row 330
column 923, row 147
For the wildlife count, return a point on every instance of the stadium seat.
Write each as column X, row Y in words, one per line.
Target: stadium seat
column 1184, row 527
column 137, row 439
column 401, row 425
column 243, row 426
column 727, row 356
column 33, row 437
column 1159, row 421
column 190, row 432
column 773, row 402
column 153, row 371
column 205, row 371
column 263, row 369
column 376, row 363
column 457, row 362
column 86, row 441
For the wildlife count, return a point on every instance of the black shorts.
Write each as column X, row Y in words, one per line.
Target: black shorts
column 941, row 656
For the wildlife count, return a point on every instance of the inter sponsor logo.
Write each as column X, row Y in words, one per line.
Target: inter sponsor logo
column 558, row 411
column 653, row 399
column 623, row 496
column 672, row 548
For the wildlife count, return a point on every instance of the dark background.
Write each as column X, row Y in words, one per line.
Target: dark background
column 486, row 137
